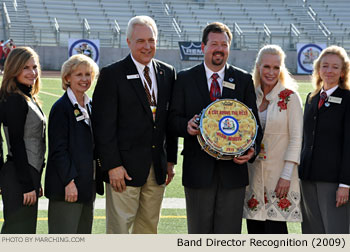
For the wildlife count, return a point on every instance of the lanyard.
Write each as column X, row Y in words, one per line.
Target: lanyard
column 145, row 83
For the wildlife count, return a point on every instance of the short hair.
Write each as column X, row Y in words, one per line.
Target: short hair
column 216, row 27
column 141, row 20
column 285, row 77
column 73, row 63
column 344, row 82
column 14, row 65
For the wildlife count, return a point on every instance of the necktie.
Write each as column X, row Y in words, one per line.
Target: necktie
column 148, row 87
column 214, row 88
column 323, row 97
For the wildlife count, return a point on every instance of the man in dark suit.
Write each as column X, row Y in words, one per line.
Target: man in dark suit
column 214, row 189
column 130, row 115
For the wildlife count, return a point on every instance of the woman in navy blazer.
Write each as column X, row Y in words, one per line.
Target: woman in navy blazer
column 71, row 177
column 325, row 159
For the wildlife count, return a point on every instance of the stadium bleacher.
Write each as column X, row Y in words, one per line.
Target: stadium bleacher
column 253, row 22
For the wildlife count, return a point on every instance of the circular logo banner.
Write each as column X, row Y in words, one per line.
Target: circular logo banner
column 307, row 53
column 87, row 47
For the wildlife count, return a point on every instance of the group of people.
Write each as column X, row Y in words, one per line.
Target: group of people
column 127, row 136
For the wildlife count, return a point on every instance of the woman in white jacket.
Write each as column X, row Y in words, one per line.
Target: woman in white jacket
column 273, row 195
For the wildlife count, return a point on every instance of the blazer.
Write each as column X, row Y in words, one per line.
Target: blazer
column 71, row 154
column 326, row 140
column 124, row 129
column 190, row 97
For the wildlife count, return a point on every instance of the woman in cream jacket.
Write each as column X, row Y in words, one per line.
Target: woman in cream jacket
column 273, row 195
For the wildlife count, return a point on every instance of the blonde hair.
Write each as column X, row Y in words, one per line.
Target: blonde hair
column 141, row 20
column 73, row 63
column 14, row 66
column 317, row 82
column 284, row 77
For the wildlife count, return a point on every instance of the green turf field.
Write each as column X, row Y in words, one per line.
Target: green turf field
column 172, row 220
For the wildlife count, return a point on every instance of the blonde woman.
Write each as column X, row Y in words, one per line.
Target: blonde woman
column 273, row 195
column 325, row 161
column 71, row 179
column 24, row 126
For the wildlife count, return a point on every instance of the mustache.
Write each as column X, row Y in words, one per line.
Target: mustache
column 221, row 53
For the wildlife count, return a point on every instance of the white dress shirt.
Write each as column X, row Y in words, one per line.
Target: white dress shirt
column 209, row 73
column 140, row 67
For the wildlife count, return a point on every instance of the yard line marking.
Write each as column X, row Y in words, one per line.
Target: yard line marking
column 104, row 217
column 47, row 93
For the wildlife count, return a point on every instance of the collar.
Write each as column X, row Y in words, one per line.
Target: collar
column 140, row 67
column 273, row 93
column 209, row 72
column 24, row 88
column 329, row 92
column 74, row 101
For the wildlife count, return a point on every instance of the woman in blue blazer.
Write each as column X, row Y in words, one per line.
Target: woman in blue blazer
column 72, row 179
column 325, row 159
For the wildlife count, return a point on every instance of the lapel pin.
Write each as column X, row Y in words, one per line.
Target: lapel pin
column 160, row 72
column 230, row 80
column 327, row 104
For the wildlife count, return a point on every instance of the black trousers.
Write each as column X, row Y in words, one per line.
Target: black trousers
column 266, row 227
column 214, row 209
column 18, row 219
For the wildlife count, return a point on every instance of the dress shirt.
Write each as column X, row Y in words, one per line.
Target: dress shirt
column 140, row 67
column 83, row 110
column 220, row 79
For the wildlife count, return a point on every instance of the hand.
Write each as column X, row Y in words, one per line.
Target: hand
column 342, row 196
column 170, row 173
column 71, row 192
column 29, row 198
column 117, row 178
column 192, row 126
column 245, row 158
column 282, row 188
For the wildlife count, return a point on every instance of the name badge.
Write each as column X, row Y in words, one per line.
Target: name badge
column 262, row 153
column 229, row 85
column 133, row 76
column 334, row 99
column 79, row 118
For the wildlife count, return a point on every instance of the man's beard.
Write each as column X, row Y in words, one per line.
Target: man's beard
column 216, row 63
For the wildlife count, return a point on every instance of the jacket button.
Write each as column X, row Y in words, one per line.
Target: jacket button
column 153, row 146
column 314, row 117
column 311, row 147
column 154, row 127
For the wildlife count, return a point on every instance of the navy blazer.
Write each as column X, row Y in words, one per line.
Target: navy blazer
column 190, row 97
column 124, row 130
column 325, row 154
column 71, row 154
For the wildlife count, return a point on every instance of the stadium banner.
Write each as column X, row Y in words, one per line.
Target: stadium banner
column 307, row 53
column 190, row 50
column 88, row 47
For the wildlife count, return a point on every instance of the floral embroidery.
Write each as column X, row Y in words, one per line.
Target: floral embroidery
column 265, row 198
column 253, row 203
column 284, row 96
column 284, row 204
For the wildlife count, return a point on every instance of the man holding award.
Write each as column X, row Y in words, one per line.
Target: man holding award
column 214, row 188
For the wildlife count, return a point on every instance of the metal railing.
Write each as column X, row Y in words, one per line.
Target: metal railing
column 241, row 40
